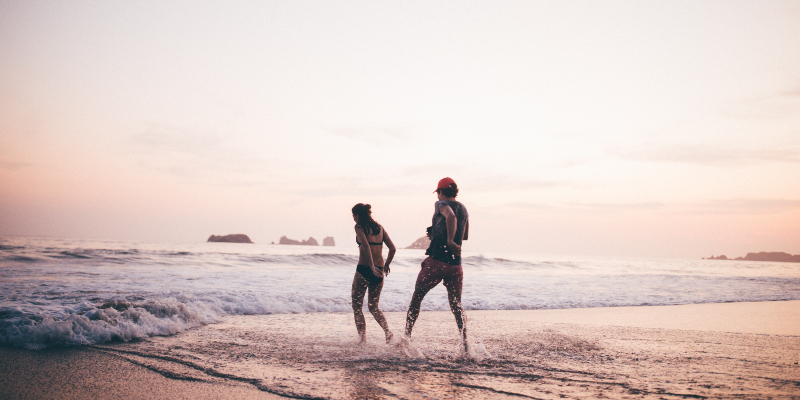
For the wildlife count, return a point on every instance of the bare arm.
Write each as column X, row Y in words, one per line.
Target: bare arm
column 451, row 221
column 466, row 231
column 392, row 250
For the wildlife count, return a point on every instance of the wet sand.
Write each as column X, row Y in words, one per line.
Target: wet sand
column 86, row 373
column 731, row 350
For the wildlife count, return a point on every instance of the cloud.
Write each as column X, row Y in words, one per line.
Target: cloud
column 468, row 177
column 424, row 170
column 183, row 140
column 533, row 206
column 593, row 207
column 508, row 183
column 362, row 185
column 12, row 165
column 478, row 181
column 419, row 179
column 781, row 105
column 620, row 206
column 748, row 131
column 792, row 93
column 745, row 206
column 707, row 155
column 710, row 207
column 372, row 135
column 201, row 156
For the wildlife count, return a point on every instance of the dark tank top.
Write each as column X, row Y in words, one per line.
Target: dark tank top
column 438, row 249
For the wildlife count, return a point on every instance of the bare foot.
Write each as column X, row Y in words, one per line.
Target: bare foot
column 389, row 337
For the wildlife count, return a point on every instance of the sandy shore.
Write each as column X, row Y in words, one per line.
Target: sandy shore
column 732, row 350
column 86, row 373
column 767, row 318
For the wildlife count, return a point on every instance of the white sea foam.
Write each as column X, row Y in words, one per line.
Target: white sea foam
column 58, row 292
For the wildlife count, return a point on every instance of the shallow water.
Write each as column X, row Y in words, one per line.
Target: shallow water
column 56, row 292
column 316, row 356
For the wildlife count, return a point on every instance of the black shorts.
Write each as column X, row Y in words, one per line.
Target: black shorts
column 366, row 272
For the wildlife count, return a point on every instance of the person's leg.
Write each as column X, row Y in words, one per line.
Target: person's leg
column 454, row 283
column 372, row 302
column 426, row 280
column 359, row 289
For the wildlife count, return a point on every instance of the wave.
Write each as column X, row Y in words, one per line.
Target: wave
column 99, row 325
column 125, row 320
column 92, row 319
column 54, row 293
column 136, row 256
column 21, row 259
column 22, row 254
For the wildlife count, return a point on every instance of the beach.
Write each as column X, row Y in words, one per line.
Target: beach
column 192, row 195
column 123, row 320
column 725, row 350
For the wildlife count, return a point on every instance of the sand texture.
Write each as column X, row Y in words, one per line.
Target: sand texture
column 514, row 354
column 86, row 373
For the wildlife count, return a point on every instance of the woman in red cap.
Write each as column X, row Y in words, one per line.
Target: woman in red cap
column 371, row 269
column 450, row 226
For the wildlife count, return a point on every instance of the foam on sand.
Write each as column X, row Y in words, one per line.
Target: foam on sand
column 536, row 354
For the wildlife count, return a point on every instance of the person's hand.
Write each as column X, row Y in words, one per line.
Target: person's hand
column 456, row 249
column 377, row 272
column 386, row 270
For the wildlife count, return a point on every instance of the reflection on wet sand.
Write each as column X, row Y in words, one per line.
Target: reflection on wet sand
column 317, row 356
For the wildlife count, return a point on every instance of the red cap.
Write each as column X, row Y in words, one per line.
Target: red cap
column 445, row 183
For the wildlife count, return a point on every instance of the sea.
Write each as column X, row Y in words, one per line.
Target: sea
column 57, row 292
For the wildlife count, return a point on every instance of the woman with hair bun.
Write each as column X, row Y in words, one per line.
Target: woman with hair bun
column 371, row 269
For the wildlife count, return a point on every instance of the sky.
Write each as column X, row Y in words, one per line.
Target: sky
column 599, row 128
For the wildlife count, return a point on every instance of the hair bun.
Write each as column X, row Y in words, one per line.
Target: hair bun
column 369, row 207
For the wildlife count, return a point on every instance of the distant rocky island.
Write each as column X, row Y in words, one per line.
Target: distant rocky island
column 762, row 256
column 235, row 238
column 328, row 241
column 421, row 243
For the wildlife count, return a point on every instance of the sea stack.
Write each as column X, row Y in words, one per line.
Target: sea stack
column 770, row 256
column 328, row 241
column 308, row 242
column 235, row 238
column 421, row 243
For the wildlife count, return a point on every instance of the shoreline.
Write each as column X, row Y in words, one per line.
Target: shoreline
column 716, row 350
column 762, row 317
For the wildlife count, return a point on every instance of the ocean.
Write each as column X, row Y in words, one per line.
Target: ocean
column 63, row 292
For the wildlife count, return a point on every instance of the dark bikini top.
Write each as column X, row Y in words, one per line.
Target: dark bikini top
column 373, row 243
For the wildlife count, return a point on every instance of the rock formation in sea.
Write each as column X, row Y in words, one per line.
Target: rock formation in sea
column 328, row 241
column 421, row 243
column 235, row 238
column 308, row 242
column 722, row 257
column 770, row 256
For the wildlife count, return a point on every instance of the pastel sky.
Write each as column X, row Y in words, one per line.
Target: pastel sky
column 619, row 128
